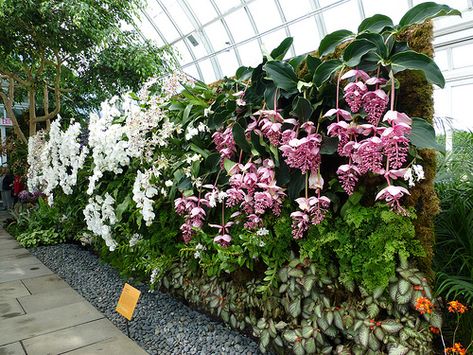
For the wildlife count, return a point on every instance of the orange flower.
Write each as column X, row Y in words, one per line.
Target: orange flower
column 457, row 348
column 457, row 307
column 434, row 330
column 424, row 305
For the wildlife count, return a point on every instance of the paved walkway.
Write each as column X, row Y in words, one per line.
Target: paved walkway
column 41, row 314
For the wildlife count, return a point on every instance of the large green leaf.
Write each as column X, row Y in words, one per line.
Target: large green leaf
column 280, row 51
column 240, row 138
column 426, row 11
column 423, row 135
column 312, row 64
column 375, row 23
column 325, row 70
column 378, row 40
column 416, row 61
column 357, row 49
column 302, row 109
column 332, row 40
column 283, row 75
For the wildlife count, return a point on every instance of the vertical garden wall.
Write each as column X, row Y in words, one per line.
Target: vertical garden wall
column 294, row 200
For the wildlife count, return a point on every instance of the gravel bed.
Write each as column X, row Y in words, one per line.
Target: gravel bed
column 161, row 324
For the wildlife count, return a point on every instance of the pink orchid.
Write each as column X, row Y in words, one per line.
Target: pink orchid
column 271, row 130
column 354, row 95
column 392, row 194
column 397, row 118
column 287, row 135
column 262, row 202
column 222, row 229
column 339, row 112
column 253, row 221
column 369, row 155
column 374, row 104
column 234, row 197
column 303, row 153
column 375, row 81
column 337, row 128
column 300, row 224
column 225, row 143
column 365, row 129
column 223, row 239
column 358, row 74
column 348, row 175
column 395, row 173
column 316, row 181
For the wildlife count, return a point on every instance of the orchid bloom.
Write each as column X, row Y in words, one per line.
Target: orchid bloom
column 392, row 194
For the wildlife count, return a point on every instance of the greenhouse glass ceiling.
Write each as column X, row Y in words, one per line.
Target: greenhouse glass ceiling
column 215, row 37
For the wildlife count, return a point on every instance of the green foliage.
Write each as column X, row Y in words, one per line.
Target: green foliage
column 368, row 243
column 36, row 238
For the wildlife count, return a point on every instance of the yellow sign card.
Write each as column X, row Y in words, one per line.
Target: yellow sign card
column 128, row 300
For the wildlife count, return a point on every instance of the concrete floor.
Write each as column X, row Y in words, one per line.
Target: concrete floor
column 41, row 314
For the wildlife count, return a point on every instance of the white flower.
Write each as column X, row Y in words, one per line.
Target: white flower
column 222, row 195
column 197, row 255
column 168, row 183
column 135, row 239
column 202, row 127
column 144, row 192
column 207, row 112
column 409, row 177
column 154, row 275
column 191, row 132
column 100, row 217
column 200, row 247
column 262, row 232
column 261, row 244
column 419, row 172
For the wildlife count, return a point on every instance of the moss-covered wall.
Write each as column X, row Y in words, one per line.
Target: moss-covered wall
column 415, row 97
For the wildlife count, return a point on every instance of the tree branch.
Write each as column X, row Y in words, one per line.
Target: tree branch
column 57, row 96
column 8, row 103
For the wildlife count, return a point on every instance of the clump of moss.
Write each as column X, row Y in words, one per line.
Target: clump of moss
column 415, row 97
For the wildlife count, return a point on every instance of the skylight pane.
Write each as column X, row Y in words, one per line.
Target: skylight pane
column 461, row 94
column 165, row 26
column 272, row 40
column 240, row 25
column 147, row 29
column 250, row 53
column 217, row 35
column 228, row 62
column 183, row 53
column 344, row 16
column 207, row 71
column 306, row 36
column 462, row 56
column 178, row 15
column 441, row 58
column 265, row 14
column 292, row 12
column 456, row 4
column 192, row 71
column 393, row 9
column 226, row 5
column 203, row 9
column 197, row 45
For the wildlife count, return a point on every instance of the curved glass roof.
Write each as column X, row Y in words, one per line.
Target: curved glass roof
column 215, row 37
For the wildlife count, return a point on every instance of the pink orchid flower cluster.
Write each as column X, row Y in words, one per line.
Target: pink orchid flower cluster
column 381, row 150
column 191, row 208
column 224, row 143
column 253, row 187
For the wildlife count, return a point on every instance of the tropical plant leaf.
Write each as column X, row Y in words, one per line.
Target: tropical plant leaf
column 240, row 139
column 410, row 60
column 426, row 11
column 283, row 75
column 375, row 23
column 325, row 70
column 280, row 51
column 332, row 40
column 423, row 135
column 356, row 50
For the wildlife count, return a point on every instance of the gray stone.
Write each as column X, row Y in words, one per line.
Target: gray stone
column 115, row 346
column 44, row 284
column 71, row 338
column 31, row 325
column 23, row 272
column 10, row 308
column 12, row 289
column 47, row 300
column 12, row 349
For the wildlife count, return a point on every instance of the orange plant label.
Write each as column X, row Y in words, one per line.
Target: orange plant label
column 128, row 300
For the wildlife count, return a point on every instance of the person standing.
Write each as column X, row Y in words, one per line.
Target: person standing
column 7, row 185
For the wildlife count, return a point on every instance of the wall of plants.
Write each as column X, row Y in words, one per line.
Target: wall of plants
column 276, row 199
